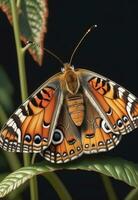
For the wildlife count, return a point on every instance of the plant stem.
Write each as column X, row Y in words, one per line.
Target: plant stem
column 108, row 187
column 3, row 116
column 23, row 81
column 133, row 195
column 58, row 186
column 34, row 189
column 18, row 3
column 13, row 160
column 20, row 52
column 21, row 62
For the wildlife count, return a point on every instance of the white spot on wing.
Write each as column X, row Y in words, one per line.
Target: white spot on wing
column 46, row 126
column 59, row 161
column 14, row 126
column 19, row 135
column 121, row 89
column 18, row 111
column 103, row 127
column 132, row 96
column 130, row 100
column 22, row 118
column 9, row 121
column 128, row 108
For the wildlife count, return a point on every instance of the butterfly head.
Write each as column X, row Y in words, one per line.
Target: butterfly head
column 71, row 79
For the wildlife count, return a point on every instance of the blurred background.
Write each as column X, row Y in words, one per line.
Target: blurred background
column 109, row 50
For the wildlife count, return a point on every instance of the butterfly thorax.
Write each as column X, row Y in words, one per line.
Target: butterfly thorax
column 71, row 80
column 73, row 97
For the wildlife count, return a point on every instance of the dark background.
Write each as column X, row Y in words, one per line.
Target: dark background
column 110, row 50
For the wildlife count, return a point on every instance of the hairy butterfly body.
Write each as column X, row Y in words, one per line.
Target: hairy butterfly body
column 74, row 112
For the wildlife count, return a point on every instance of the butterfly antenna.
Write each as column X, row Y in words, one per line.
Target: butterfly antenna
column 80, row 42
column 47, row 51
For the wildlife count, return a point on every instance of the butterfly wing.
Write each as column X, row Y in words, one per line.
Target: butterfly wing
column 96, row 136
column 66, row 142
column 116, row 105
column 30, row 128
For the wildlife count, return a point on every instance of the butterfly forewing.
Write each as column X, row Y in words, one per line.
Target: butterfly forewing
column 30, row 128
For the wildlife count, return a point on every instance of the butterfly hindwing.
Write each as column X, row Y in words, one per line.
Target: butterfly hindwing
column 66, row 143
column 30, row 128
column 95, row 134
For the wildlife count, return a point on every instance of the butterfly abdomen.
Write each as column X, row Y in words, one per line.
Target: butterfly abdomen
column 76, row 108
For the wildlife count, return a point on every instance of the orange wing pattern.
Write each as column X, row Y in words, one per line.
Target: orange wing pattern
column 29, row 128
column 119, row 107
column 66, row 142
column 96, row 136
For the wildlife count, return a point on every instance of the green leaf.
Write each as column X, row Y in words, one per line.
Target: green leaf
column 115, row 167
column 6, row 91
column 32, row 21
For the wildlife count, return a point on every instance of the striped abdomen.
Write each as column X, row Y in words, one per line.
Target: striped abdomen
column 76, row 108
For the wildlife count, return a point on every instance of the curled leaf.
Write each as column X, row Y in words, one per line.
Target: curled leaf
column 32, row 22
column 115, row 167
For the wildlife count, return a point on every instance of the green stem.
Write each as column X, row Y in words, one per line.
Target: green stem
column 109, row 188
column 3, row 116
column 13, row 160
column 57, row 185
column 20, row 52
column 133, row 195
column 18, row 3
column 23, row 80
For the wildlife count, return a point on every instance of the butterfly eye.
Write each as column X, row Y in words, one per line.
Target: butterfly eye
column 37, row 139
column 57, row 137
column 125, row 119
column 120, row 123
column 27, row 137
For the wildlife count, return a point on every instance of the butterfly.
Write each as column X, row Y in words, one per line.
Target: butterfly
column 75, row 112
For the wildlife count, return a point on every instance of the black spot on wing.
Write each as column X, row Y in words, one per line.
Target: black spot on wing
column 72, row 141
column 39, row 95
column 16, row 119
column 33, row 101
column 103, row 82
column 30, row 110
column 11, row 130
column 90, row 135
column 46, row 124
column 45, row 92
column 108, row 86
column 115, row 89
column 98, row 81
column 24, row 111
column 46, row 99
